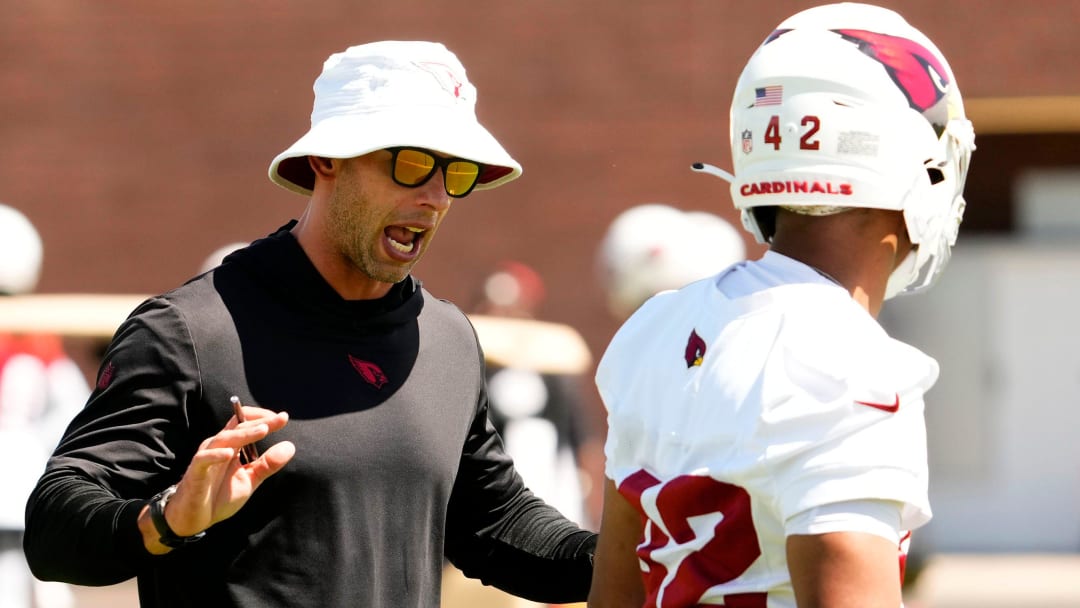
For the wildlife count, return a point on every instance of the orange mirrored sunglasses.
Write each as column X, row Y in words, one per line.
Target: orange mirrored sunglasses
column 413, row 167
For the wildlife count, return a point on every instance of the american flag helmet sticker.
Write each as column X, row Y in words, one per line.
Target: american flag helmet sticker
column 771, row 95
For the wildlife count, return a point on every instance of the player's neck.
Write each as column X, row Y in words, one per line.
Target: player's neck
column 856, row 250
column 859, row 279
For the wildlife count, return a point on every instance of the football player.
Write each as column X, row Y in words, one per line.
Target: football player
column 766, row 440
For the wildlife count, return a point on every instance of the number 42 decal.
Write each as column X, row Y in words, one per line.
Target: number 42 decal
column 810, row 124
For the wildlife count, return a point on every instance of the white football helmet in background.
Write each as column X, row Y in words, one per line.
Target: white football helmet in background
column 20, row 253
column 847, row 105
column 653, row 247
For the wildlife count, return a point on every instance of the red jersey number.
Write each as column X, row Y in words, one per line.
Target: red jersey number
column 691, row 507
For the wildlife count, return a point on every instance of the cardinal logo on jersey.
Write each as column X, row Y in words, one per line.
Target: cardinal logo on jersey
column 914, row 68
column 695, row 350
column 371, row 373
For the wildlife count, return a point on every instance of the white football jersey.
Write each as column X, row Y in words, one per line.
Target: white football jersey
column 743, row 400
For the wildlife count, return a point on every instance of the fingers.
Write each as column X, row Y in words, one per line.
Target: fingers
column 191, row 509
column 218, row 456
column 254, row 429
column 271, row 462
column 275, row 420
column 216, row 484
column 207, row 457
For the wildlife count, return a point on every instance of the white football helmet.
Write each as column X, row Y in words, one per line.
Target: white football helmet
column 20, row 253
column 651, row 248
column 847, row 105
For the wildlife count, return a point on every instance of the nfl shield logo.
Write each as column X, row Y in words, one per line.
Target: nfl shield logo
column 747, row 142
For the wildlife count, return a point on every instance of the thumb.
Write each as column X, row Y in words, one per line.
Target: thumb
column 271, row 461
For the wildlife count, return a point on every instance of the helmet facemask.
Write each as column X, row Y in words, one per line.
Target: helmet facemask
column 933, row 211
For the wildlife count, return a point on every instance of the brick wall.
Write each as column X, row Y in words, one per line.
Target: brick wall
column 136, row 135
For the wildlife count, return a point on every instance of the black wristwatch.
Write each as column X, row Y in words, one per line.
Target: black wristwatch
column 157, row 516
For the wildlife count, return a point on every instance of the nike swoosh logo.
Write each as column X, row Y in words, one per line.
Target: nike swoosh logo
column 885, row 407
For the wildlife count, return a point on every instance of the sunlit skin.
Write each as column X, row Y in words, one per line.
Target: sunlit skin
column 354, row 211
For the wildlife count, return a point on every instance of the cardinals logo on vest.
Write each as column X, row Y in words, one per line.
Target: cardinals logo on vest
column 695, row 350
column 371, row 373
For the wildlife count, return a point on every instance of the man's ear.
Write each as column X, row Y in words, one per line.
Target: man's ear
column 321, row 165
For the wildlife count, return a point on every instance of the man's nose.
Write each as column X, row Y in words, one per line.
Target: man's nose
column 433, row 192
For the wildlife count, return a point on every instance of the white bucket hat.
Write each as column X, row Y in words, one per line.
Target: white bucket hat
column 393, row 93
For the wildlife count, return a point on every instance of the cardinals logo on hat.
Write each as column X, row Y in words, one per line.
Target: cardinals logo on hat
column 444, row 75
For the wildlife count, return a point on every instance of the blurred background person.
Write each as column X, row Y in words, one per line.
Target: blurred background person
column 654, row 247
column 535, row 394
column 41, row 389
column 513, row 289
column 535, row 407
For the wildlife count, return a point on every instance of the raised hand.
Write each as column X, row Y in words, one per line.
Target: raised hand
column 217, row 484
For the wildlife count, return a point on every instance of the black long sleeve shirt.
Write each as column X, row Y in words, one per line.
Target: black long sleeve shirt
column 396, row 461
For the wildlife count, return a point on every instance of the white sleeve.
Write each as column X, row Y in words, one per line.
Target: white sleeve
column 878, row 517
column 848, row 426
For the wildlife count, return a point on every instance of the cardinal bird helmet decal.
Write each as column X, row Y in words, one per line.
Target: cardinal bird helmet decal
column 914, row 68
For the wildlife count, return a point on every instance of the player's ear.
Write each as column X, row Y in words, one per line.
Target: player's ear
column 321, row 165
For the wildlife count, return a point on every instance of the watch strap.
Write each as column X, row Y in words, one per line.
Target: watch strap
column 157, row 516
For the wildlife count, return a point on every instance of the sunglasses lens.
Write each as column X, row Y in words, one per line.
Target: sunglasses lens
column 413, row 167
column 461, row 176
